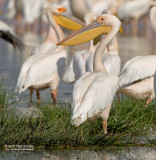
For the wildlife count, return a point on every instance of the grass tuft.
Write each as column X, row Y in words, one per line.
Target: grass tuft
column 52, row 127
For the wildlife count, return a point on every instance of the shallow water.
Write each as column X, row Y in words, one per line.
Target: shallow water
column 135, row 153
column 11, row 61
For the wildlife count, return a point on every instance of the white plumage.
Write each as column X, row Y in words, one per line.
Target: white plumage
column 41, row 67
column 77, row 65
column 111, row 59
column 112, row 63
column 83, row 60
column 44, row 70
column 30, row 71
column 137, row 78
column 29, row 9
column 14, row 7
column 32, row 9
column 99, row 6
column 89, row 96
column 81, row 7
column 94, row 92
column 69, row 75
column 134, row 9
column 48, row 44
column 137, row 68
column 79, row 60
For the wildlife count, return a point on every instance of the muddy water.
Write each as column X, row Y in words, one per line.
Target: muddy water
column 135, row 153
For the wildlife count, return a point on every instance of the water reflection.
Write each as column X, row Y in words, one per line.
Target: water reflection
column 135, row 153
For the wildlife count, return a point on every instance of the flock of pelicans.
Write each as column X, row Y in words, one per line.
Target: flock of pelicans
column 96, row 71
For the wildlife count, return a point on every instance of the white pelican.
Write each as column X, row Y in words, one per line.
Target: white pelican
column 137, row 78
column 153, row 18
column 79, row 8
column 99, row 6
column 134, row 10
column 26, row 10
column 94, row 92
column 111, row 59
column 49, row 43
column 32, row 9
column 50, row 40
column 14, row 9
column 43, row 70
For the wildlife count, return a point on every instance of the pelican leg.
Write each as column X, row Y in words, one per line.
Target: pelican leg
column 104, row 123
column 134, row 27
column 146, row 22
column 54, row 95
column 118, row 97
column 38, row 96
column 18, row 29
column 27, row 27
column 31, row 93
column 149, row 100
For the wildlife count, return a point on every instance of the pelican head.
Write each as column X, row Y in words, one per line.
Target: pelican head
column 102, row 25
column 63, row 18
column 55, row 9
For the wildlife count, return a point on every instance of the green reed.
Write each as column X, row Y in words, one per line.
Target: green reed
column 52, row 128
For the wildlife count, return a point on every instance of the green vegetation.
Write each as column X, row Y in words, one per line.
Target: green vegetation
column 52, row 127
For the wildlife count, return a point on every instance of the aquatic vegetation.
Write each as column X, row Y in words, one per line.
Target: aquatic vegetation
column 52, row 127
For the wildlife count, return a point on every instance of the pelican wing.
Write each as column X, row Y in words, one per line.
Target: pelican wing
column 26, row 68
column 68, row 75
column 9, row 35
column 112, row 63
column 42, row 70
column 137, row 68
column 80, row 87
column 79, row 63
column 95, row 97
column 43, row 47
column 89, row 63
